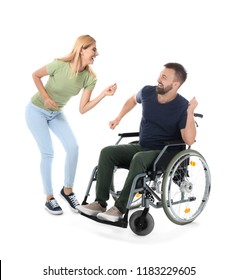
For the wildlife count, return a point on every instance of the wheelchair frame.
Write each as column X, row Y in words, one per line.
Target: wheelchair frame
column 157, row 189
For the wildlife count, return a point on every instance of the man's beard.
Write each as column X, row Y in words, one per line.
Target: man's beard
column 163, row 90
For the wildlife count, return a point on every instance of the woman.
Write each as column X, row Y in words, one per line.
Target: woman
column 67, row 76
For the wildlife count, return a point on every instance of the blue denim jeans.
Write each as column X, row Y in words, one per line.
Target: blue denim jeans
column 40, row 123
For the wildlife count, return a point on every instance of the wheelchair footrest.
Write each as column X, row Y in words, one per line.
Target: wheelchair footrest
column 121, row 223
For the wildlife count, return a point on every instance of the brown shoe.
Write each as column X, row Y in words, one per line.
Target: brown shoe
column 112, row 215
column 91, row 209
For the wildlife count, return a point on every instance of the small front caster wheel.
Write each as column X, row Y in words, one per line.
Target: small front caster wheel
column 140, row 224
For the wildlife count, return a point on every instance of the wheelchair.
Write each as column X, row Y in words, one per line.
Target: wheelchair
column 181, row 187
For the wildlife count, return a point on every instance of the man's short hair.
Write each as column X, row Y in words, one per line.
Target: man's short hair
column 180, row 72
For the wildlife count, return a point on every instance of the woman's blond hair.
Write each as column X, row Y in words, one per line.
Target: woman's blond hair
column 74, row 57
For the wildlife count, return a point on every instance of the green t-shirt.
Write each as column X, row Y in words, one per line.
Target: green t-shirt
column 61, row 86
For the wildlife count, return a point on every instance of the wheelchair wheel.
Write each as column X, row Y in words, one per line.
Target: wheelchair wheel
column 140, row 227
column 119, row 177
column 186, row 187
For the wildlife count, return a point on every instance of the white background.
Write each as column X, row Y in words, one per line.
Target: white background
column 134, row 40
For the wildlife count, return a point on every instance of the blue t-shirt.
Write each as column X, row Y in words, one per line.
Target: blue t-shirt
column 160, row 123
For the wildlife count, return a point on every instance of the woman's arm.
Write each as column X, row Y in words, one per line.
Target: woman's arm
column 86, row 104
column 37, row 75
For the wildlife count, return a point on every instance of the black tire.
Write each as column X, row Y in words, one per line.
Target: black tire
column 141, row 229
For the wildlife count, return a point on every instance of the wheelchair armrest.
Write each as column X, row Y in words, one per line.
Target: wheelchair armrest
column 197, row 115
column 126, row 134
column 129, row 134
column 174, row 142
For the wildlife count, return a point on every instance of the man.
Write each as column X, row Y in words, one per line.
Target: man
column 166, row 116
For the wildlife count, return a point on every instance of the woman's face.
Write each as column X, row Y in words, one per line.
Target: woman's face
column 89, row 54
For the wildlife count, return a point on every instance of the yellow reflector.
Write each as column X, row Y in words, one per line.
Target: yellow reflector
column 192, row 163
column 137, row 194
column 187, row 210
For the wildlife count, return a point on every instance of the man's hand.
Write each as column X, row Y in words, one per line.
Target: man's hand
column 192, row 105
column 114, row 123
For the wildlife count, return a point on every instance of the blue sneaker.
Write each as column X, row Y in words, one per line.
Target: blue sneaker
column 71, row 199
column 53, row 207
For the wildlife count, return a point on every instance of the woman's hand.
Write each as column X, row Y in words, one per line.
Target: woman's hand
column 50, row 104
column 109, row 91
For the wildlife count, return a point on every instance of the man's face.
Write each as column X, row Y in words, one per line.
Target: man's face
column 165, row 81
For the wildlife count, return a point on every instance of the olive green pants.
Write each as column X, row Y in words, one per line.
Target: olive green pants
column 131, row 156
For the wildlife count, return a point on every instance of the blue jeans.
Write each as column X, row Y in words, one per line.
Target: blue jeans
column 40, row 122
